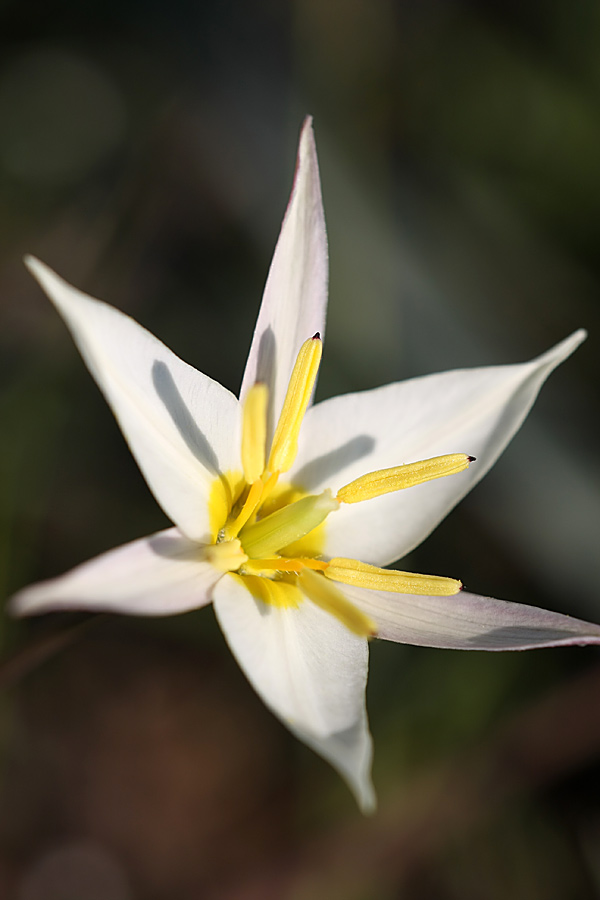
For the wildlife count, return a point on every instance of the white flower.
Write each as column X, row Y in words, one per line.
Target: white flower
column 275, row 500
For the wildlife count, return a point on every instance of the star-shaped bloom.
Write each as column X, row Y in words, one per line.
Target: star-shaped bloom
column 286, row 513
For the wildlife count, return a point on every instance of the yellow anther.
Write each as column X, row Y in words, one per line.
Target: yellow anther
column 351, row 571
column 250, row 504
column 227, row 556
column 290, row 523
column 283, row 564
column 254, row 432
column 327, row 597
column 285, row 440
column 384, row 481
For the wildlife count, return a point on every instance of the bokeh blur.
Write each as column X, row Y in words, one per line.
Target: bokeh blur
column 146, row 153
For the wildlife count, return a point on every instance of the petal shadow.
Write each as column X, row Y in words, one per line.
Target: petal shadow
column 322, row 468
column 183, row 420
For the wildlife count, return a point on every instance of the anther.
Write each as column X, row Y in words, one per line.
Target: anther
column 300, row 388
column 351, row 571
column 254, row 432
column 385, row 481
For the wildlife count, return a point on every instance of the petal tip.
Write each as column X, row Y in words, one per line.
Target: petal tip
column 43, row 274
column 19, row 605
column 34, row 265
column 565, row 348
column 307, row 148
column 368, row 804
column 307, row 129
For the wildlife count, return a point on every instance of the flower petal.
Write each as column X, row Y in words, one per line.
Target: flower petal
column 295, row 298
column 469, row 622
column 181, row 426
column 473, row 411
column 309, row 670
column 156, row 576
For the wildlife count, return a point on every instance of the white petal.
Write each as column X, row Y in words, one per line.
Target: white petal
column 472, row 411
column 309, row 670
column 181, row 426
column 295, row 298
column 469, row 622
column 159, row 575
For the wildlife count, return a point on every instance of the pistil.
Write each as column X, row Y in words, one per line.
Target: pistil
column 227, row 556
column 288, row 524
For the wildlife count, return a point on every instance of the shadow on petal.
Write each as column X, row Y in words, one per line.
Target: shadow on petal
column 170, row 546
column 168, row 392
column 265, row 364
column 522, row 637
column 321, row 468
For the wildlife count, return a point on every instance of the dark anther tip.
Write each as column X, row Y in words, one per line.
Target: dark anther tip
column 471, row 458
column 316, row 336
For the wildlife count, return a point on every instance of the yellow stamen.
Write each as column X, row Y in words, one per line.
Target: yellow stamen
column 227, row 556
column 251, row 502
column 254, row 432
column 327, row 597
column 283, row 564
column 351, row 571
column 384, row 481
column 290, row 523
column 269, row 485
column 285, row 440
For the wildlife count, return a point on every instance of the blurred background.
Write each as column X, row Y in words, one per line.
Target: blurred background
column 146, row 153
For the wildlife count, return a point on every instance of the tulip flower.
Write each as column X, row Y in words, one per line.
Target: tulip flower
column 286, row 514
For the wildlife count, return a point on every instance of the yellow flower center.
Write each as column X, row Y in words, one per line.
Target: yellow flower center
column 270, row 533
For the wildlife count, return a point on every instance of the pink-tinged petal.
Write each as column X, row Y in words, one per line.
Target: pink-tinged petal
column 182, row 427
column 309, row 670
column 295, row 298
column 466, row 621
column 472, row 411
column 159, row 575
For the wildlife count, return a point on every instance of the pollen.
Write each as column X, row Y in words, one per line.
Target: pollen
column 351, row 571
column 386, row 481
column 254, row 432
column 300, row 388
